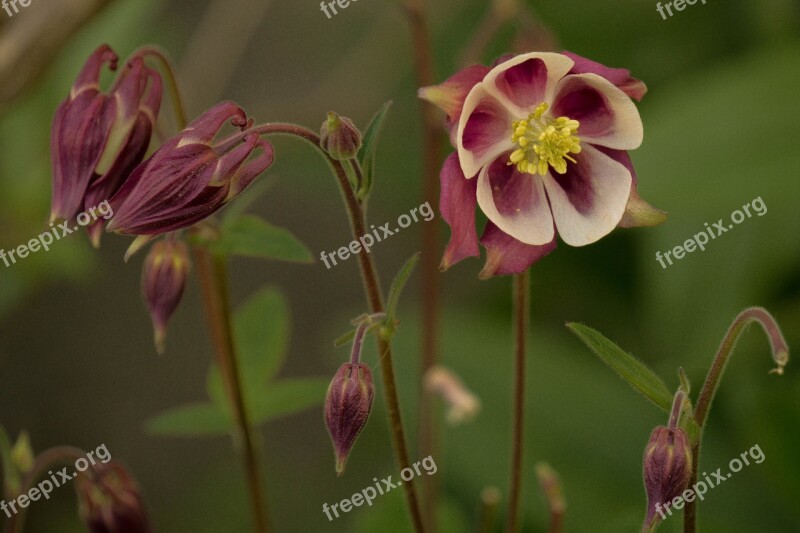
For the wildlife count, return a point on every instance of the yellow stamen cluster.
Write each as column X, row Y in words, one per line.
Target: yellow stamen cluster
column 544, row 142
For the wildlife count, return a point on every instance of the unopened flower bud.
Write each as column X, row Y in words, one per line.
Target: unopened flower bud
column 163, row 281
column 110, row 502
column 22, row 456
column 347, row 407
column 667, row 469
column 340, row 137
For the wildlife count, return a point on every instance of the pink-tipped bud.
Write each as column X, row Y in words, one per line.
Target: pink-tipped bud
column 347, row 408
column 340, row 137
column 163, row 281
column 110, row 502
column 667, row 469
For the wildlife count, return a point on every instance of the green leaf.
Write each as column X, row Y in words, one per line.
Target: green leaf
column 639, row 375
column 250, row 236
column 288, row 397
column 397, row 288
column 369, row 146
column 191, row 420
column 247, row 198
column 261, row 335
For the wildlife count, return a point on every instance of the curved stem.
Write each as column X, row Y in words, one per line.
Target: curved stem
column 432, row 148
column 780, row 354
column 521, row 320
column 375, row 301
column 178, row 105
column 46, row 459
column 212, row 274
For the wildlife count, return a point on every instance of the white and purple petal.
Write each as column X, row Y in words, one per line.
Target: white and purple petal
column 588, row 201
column 607, row 115
column 515, row 202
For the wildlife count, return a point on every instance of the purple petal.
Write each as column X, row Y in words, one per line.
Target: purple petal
column 505, row 255
column 607, row 115
column 524, row 83
column 515, row 202
column 457, row 204
column 620, row 77
column 484, row 131
column 589, row 200
column 206, row 126
column 449, row 96
column 89, row 76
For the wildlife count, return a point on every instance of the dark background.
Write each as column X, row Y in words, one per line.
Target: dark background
column 721, row 128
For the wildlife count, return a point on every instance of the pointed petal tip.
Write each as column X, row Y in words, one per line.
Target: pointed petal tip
column 136, row 245
column 639, row 213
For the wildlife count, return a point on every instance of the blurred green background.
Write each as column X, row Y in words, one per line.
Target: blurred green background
column 721, row 128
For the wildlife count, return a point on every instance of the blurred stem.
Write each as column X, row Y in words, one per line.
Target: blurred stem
column 375, row 301
column 168, row 69
column 490, row 501
column 212, row 274
column 521, row 320
column 500, row 12
column 45, row 460
column 432, row 148
column 780, row 354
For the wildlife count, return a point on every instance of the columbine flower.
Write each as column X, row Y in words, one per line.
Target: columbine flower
column 110, row 502
column 163, row 281
column 190, row 177
column 98, row 138
column 541, row 146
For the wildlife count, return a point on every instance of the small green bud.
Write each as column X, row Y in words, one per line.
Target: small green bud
column 340, row 137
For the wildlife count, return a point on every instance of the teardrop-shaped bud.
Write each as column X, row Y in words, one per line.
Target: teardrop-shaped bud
column 347, row 407
column 667, row 469
column 340, row 137
column 166, row 268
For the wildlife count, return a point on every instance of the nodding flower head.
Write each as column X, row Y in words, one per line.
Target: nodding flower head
column 110, row 502
column 191, row 176
column 347, row 407
column 541, row 145
column 98, row 138
column 166, row 268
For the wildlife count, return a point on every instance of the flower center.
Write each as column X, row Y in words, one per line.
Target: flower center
column 544, row 142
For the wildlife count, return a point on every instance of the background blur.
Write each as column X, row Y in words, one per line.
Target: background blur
column 721, row 119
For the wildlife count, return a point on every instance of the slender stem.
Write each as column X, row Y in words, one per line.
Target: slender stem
column 375, row 301
column 358, row 340
column 490, row 501
column 172, row 81
column 432, row 148
column 780, row 354
column 521, row 320
column 211, row 272
column 45, row 460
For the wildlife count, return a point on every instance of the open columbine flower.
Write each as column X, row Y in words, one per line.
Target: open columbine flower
column 99, row 137
column 190, row 177
column 541, row 146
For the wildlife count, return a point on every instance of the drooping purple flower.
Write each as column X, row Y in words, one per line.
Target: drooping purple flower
column 98, row 138
column 191, row 176
column 164, row 274
column 541, row 147
column 110, row 502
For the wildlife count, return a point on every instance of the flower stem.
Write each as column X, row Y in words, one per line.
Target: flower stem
column 375, row 302
column 45, row 460
column 211, row 272
column 780, row 354
column 521, row 320
column 432, row 148
column 172, row 81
